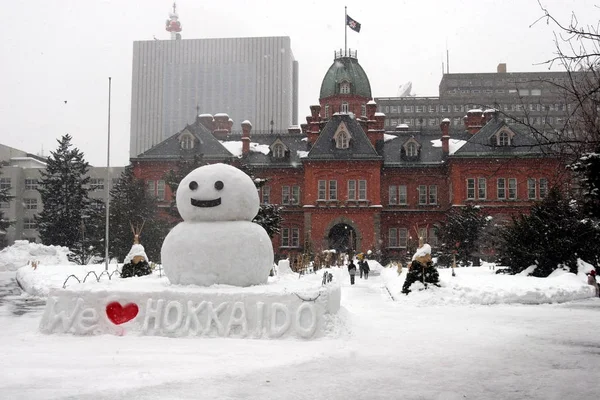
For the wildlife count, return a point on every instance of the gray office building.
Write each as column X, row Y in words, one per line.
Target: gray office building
column 253, row 79
column 531, row 97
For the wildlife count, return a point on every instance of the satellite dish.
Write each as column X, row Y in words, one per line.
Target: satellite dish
column 404, row 89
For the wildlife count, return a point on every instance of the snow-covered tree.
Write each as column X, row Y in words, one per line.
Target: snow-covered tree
column 68, row 218
column 4, row 223
column 555, row 233
column 461, row 232
column 132, row 205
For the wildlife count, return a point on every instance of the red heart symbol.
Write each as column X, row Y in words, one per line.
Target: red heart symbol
column 119, row 314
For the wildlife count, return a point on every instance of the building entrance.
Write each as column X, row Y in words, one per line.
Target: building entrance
column 342, row 238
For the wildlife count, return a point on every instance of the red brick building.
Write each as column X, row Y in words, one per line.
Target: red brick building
column 345, row 182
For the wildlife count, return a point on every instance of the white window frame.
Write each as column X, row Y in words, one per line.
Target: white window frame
column 362, row 189
column 31, row 184
column 501, row 188
column 392, row 195
column 332, row 189
column 322, row 190
column 512, row 189
column 295, row 195
column 393, row 238
column 433, row 194
column 422, row 190
column 285, row 195
column 30, row 204
column 352, row 189
column 266, row 194
column 543, row 188
column 160, row 190
column 402, row 195
column 471, row 189
column 481, row 188
column 531, row 192
column 345, row 109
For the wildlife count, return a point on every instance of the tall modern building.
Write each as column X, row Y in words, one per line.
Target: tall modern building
column 531, row 97
column 246, row 78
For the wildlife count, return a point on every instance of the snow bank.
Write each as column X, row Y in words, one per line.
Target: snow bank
column 43, row 279
column 17, row 255
column 481, row 285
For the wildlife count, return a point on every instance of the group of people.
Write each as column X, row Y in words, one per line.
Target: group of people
column 363, row 267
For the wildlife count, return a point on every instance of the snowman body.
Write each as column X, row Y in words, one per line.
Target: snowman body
column 217, row 243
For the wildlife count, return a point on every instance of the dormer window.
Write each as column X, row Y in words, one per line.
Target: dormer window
column 342, row 141
column 411, row 149
column 503, row 139
column 342, row 137
column 344, row 108
column 345, row 88
column 186, row 142
column 278, row 151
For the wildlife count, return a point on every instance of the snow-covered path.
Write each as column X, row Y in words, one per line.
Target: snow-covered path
column 391, row 350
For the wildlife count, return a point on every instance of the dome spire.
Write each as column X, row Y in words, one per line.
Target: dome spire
column 173, row 25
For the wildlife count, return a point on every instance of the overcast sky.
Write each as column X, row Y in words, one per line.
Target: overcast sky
column 57, row 55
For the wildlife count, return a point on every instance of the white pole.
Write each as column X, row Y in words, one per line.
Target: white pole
column 107, row 184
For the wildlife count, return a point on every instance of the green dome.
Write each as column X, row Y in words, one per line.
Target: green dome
column 345, row 69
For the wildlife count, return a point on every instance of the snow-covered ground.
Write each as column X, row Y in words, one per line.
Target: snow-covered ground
column 460, row 341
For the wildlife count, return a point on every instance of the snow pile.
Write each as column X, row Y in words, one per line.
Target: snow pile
column 20, row 253
column 453, row 144
column 422, row 251
column 375, row 267
column 481, row 285
column 40, row 281
column 235, row 147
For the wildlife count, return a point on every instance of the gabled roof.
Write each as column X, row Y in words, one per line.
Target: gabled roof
column 360, row 147
column 430, row 150
column 483, row 143
column 296, row 144
column 204, row 143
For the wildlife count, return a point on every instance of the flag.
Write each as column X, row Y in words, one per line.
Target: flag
column 354, row 25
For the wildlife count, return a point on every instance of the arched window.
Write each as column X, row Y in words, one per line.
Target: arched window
column 503, row 139
column 411, row 149
column 278, row 151
column 342, row 140
column 345, row 88
column 187, row 142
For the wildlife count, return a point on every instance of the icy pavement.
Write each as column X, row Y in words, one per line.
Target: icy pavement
column 393, row 350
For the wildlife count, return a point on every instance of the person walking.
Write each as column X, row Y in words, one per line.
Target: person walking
column 351, row 271
column 365, row 268
column 360, row 258
column 592, row 281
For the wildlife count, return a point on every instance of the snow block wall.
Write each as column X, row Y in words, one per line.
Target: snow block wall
column 193, row 311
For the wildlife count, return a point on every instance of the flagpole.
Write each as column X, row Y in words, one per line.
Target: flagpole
column 345, row 30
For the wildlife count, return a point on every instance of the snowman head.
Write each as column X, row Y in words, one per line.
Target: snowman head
column 217, row 192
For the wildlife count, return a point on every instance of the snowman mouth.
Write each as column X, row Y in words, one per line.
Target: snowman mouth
column 206, row 203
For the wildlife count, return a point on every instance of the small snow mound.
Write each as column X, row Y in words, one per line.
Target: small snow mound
column 22, row 251
column 422, row 251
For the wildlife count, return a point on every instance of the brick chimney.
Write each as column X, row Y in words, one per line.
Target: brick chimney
column 314, row 126
column 376, row 128
column 371, row 109
column 246, row 128
column 222, row 126
column 474, row 121
column 207, row 120
column 490, row 114
column 501, row 68
column 445, row 127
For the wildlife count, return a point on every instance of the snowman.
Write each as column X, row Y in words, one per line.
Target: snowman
column 217, row 242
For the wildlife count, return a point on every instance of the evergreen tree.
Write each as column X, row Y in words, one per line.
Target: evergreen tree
column 68, row 218
column 132, row 205
column 554, row 233
column 269, row 215
column 587, row 168
column 461, row 232
column 4, row 223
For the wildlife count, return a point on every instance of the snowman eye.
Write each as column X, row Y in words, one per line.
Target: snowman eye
column 219, row 185
column 193, row 185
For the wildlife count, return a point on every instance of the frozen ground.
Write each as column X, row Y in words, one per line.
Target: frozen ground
column 404, row 349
